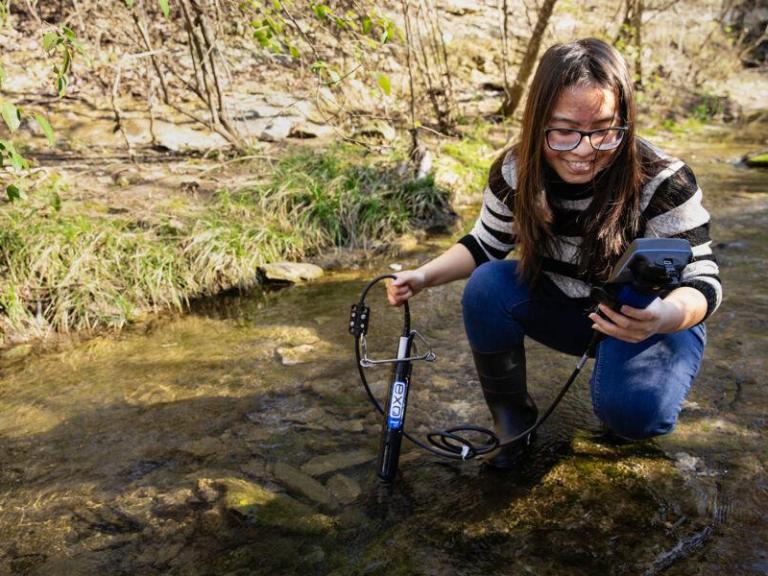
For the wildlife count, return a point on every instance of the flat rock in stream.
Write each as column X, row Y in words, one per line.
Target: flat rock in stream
column 289, row 272
column 264, row 508
column 204, row 447
column 298, row 481
column 318, row 419
column 320, row 465
column 344, row 488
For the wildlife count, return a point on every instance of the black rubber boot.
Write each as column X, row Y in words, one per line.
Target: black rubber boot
column 502, row 378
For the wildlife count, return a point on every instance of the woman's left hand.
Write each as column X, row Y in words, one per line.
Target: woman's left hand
column 634, row 324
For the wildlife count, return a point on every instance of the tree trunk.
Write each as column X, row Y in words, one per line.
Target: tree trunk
column 631, row 36
column 637, row 25
column 515, row 94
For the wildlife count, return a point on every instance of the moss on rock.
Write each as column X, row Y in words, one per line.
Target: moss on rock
column 264, row 508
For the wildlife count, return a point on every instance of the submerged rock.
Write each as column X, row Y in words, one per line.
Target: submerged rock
column 298, row 481
column 264, row 508
column 204, row 447
column 344, row 488
column 316, row 418
column 320, row 465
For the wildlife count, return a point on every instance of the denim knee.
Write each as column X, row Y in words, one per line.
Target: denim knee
column 638, row 389
column 491, row 291
column 637, row 416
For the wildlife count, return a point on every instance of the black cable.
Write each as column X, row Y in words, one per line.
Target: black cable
column 450, row 443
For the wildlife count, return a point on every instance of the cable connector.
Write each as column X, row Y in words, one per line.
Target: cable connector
column 358, row 320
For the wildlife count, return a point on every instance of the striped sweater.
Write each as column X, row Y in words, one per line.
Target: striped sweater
column 671, row 207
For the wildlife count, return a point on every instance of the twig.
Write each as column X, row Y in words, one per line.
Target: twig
column 218, row 128
column 682, row 549
column 219, row 114
column 33, row 13
column 80, row 20
column 301, row 31
column 657, row 11
column 504, row 42
column 114, row 97
column 441, row 55
column 342, row 78
column 752, row 45
column 197, row 53
column 408, row 38
column 142, row 27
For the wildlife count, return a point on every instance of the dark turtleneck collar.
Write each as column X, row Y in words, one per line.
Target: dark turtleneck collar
column 559, row 188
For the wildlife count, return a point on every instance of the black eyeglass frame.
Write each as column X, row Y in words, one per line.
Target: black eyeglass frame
column 588, row 134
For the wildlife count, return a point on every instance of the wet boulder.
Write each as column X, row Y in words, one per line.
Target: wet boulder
column 284, row 273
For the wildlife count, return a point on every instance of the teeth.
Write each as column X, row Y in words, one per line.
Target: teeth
column 580, row 165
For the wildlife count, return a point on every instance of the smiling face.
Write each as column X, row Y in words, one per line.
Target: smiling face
column 582, row 107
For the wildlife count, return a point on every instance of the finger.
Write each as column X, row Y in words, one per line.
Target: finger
column 615, row 317
column 616, row 332
column 611, row 329
column 395, row 300
column 637, row 313
column 402, row 296
column 401, row 291
column 603, row 325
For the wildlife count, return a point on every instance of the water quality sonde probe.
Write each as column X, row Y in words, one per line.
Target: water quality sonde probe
column 649, row 268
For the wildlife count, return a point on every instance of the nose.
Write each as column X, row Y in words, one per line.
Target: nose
column 584, row 148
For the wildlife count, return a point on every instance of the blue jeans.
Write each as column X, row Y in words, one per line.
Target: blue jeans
column 637, row 389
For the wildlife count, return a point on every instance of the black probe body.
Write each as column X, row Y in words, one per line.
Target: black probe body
column 394, row 415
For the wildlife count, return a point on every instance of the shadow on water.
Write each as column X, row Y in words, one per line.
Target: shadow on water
column 237, row 439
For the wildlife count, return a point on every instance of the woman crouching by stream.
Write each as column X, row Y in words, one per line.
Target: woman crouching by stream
column 571, row 195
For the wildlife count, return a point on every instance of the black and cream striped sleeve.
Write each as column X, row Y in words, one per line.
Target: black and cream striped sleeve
column 493, row 235
column 675, row 211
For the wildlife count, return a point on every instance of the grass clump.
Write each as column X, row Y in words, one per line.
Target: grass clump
column 342, row 198
column 66, row 267
column 757, row 160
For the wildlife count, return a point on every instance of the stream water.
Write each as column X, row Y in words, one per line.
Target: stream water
column 236, row 439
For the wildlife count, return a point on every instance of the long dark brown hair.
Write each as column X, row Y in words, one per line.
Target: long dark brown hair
column 613, row 217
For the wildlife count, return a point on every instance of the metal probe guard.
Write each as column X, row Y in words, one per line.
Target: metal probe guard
column 428, row 356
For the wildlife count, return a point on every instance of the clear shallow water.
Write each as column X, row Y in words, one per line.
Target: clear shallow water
column 186, row 446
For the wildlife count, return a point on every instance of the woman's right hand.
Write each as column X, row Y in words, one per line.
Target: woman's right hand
column 406, row 284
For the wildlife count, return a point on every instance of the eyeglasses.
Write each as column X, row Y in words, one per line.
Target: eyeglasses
column 565, row 139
